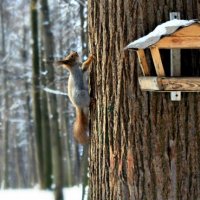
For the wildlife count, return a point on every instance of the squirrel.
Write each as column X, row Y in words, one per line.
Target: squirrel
column 78, row 93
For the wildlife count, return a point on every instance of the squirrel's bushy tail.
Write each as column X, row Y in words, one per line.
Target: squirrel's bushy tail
column 80, row 127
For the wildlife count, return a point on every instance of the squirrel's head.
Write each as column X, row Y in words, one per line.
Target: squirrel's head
column 69, row 61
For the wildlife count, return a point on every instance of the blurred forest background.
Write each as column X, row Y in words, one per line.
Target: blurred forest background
column 36, row 141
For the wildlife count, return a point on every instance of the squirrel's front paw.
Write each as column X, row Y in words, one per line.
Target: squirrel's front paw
column 91, row 57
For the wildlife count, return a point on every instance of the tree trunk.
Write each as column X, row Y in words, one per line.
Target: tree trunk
column 5, row 122
column 47, row 155
column 84, row 43
column 36, row 90
column 143, row 145
column 48, row 42
column 84, row 49
column 32, row 169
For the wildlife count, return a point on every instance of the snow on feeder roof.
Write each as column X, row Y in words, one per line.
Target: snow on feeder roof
column 161, row 30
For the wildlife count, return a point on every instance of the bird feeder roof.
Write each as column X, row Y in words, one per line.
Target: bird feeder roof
column 161, row 30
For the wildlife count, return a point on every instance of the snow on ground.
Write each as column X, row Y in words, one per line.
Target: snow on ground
column 73, row 193
column 23, row 194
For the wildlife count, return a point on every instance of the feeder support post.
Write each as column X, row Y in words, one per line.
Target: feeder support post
column 175, row 61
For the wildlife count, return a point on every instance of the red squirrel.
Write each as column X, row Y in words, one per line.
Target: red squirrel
column 78, row 93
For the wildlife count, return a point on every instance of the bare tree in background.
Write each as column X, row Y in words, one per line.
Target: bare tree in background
column 5, row 102
column 36, row 91
column 48, row 42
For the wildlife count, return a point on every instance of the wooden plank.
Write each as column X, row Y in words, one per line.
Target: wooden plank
column 171, row 42
column 181, row 84
column 189, row 31
column 167, row 84
column 149, row 83
column 143, row 62
column 157, row 61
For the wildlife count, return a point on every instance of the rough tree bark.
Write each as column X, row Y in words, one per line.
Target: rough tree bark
column 143, row 145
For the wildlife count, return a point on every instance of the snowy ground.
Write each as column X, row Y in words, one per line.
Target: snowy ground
column 73, row 193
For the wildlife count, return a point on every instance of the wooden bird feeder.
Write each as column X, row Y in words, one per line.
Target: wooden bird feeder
column 185, row 36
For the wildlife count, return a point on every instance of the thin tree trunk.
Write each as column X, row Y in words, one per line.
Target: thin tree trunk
column 30, row 137
column 84, row 44
column 143, row 146
column 47, row 155
column 84, row 170
column 32, row 175
column 36, row 90
column 66, row 142
column 6, row 131
column 6, row 107
column 17, row 160
column 84, row 33
column 77, row 164
column 48, row 42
